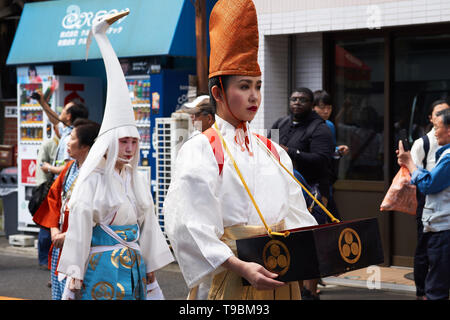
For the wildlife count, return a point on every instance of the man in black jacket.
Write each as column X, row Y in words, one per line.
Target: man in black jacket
column 309, row 143
column 307, row 139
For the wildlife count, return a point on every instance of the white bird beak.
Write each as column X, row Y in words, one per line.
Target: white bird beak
column 116, row 16
column 109, row 20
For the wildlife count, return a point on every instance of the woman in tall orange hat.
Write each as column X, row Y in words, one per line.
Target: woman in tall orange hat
column 227, row 185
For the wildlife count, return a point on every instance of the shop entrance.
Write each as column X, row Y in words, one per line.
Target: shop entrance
column 382, row 82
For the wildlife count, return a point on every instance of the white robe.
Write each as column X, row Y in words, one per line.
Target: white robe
column 200, row 203
column 95, row 208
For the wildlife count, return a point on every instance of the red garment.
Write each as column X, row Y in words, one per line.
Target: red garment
column 216, row 145
column 49, row 212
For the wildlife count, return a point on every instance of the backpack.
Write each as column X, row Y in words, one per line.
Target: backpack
column 38, row 195
column 40, row 192
column 312, row 206
column 420, row 195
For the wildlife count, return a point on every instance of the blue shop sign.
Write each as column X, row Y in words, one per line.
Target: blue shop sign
column 54, row 31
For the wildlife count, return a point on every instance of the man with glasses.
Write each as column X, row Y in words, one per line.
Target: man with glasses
column 306, row 138
column 309, row 143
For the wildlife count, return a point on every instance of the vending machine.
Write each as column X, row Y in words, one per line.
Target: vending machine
column 34, row 127
column 154, row 96
column 139, row 88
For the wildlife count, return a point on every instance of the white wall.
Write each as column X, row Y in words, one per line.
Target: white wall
column 273, row 60
column 298, row 16
column 308, row 61
column 307, row 19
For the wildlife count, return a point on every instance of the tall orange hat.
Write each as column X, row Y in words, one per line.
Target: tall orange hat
column 233, row 33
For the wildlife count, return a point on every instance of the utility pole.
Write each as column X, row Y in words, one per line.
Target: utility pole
column 200, row 36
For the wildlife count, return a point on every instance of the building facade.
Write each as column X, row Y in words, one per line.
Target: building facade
column 383, row 62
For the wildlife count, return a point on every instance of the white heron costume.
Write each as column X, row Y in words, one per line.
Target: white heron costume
column 112, row 217
column 203, row 223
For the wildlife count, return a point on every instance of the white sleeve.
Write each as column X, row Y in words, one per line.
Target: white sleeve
column 82, row 217
column 66, row 155
column 77, row 244
column 154, row 248
column 61, row 127
column 193, row 214
column 417, row 152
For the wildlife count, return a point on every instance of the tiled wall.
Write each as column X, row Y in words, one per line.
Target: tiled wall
column 308, row 61
column 273, row 59
column 298, row 16
column 9, row 124
column 10, row 131
column 307, row 19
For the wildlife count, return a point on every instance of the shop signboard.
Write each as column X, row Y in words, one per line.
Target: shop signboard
column 152, row 28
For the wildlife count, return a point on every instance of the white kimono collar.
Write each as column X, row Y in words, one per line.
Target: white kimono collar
column 236, row 135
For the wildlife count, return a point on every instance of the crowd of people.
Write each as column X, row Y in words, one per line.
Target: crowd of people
column 228, row 184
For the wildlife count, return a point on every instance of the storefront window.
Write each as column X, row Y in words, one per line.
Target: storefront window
column 359, row 107
column 422, row 76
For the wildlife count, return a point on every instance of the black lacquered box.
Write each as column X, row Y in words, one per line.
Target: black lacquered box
column 318, row 251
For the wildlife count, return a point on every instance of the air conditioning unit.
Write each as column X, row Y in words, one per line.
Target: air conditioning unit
column 169, row 135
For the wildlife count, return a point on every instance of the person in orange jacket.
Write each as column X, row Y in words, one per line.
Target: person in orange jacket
column 53, row 212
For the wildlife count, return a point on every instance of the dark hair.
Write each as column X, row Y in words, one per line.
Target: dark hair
column 215, row 81
column 305, row 90
column 207, row 108
column 77, row 110
column 87, row 131
column 445, row 114
column 435, row 103
column 322, row 96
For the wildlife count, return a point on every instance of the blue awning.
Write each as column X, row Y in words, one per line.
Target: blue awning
column 56, row 31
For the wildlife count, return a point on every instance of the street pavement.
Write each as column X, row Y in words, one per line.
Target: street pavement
column 20, row 277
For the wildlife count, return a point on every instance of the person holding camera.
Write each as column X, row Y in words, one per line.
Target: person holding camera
column 435, row 184
column 423, row 154
column 71, row 111
column 46, row 153
column 53, row 213
column 62, row 125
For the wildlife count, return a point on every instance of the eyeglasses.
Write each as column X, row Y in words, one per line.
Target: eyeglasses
column 300, row 99
column 324, row 106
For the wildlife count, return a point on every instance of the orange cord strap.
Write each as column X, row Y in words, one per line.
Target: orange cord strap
column 269, row 231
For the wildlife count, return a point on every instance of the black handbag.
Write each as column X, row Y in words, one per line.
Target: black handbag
column 38, row 195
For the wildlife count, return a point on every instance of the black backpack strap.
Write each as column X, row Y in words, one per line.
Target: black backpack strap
column 426, row 148
column 312, row 127
column 307, row 134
